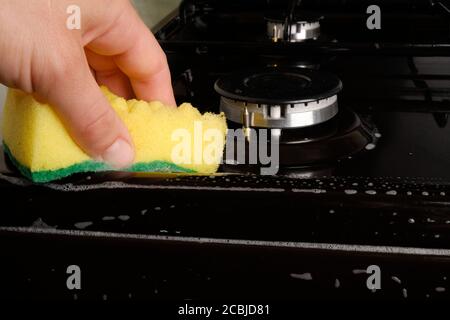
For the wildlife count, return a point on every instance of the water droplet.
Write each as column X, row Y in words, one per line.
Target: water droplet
column 124, row 218
column 350, row 192
column 409, row 193
column 377, row 134
column 157, row 208
column 371, row 192
column 302, row 276
column 405, row 293
column 425, row 193
column 332, row 211
column 391, row 193
column 440, row 289
column 396, row 279
column 83, row 225
column 442, row 193
column 359, row 271
column 143, row 212
column 411, row 220
column 337, row 283
column 370, row 146
column 107, row 218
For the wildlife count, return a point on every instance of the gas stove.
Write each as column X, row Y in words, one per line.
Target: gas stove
column 360, row 119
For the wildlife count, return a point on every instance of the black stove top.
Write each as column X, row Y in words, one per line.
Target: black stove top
column 373, row 187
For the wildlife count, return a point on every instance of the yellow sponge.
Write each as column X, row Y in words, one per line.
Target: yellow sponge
column 165, row 139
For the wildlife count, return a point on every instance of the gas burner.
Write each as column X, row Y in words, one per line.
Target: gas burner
column 300, row 28
column 279, row 98
column 306, row 148
column 300, row 109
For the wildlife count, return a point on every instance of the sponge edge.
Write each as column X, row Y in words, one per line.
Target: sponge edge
column 40, row 147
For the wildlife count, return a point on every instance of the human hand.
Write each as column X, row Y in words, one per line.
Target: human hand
column 39, row 54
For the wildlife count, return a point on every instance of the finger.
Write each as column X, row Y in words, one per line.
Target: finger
column 86, row 112
column 108, row 74
column 137, row 53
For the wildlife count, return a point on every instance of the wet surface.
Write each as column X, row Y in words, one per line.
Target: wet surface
column 310, row 232
column 371, row 211
column 183, row 236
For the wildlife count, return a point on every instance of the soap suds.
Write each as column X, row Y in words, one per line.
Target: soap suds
column 39, row 223
column 317, row 191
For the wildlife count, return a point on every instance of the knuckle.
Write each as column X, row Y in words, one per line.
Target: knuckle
column 160, row 64
column 99, row 128
column 62, row 68
column 64, row 63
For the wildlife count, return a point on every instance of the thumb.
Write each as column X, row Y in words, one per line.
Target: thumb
column 87, row 114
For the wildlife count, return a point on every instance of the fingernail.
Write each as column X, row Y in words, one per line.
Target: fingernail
column 119, row 155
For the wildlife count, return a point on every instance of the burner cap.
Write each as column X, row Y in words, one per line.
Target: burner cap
column 302, row 27
column 277, row 16
column 279, row 97
column 278, row 85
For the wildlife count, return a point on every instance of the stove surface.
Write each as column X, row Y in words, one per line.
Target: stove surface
column 386, row 203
